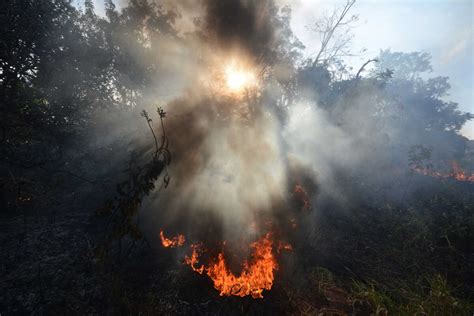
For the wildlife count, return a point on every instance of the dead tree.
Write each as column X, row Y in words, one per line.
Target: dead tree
column 333, row 45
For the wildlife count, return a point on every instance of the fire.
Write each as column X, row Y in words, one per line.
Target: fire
column 174, row 242
column 257, row 274
column 301, row 194
column 238, row 78
column 194, row 259
column 460, row 174
column 255, row 277
column 456, row 172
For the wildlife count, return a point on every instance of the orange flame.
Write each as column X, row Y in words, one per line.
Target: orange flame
column 456, row 172
column 194, row 259
column 174, row 242
column 256, row 276
column 460, row 174
column 301, row 194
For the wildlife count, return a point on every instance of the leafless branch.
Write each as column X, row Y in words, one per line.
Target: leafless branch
column 364, row 65
column 327, row 28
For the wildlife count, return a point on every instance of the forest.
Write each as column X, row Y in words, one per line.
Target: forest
column 187, row 157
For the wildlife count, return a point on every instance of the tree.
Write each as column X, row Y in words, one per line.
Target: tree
column 59, row 68
column 334, row 34
column 423, row 100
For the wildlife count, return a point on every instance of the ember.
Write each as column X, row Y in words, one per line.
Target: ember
column 284, row 246
column 301, row 195
column 174, row 242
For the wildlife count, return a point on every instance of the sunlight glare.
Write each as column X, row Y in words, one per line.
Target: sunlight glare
column 238, row 79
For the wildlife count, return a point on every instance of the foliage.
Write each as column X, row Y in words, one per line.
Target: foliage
column 123, row 210
column 436, row 298
column 378, row 302
column 61, row 69
column 419, row 157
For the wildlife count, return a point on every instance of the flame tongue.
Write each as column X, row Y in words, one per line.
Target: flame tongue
column 194, row 259
column 256, row 276
column 257, row 273
column 174, row 242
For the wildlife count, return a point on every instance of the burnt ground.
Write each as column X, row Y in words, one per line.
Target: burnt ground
column 351, row 263
column 49, row 266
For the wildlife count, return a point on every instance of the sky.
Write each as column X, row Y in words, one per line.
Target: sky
column 443, row 28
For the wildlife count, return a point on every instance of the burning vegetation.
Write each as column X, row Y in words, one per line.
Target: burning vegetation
column 456, row 173
column 257, row 273
column 174, row 242
column 256, row 276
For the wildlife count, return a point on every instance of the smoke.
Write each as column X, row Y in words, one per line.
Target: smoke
column 235, row 161
column 245, row 24
column 228, row 170
column 322, row 146
column 225, row 166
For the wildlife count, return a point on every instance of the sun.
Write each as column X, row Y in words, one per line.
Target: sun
column 238, row 79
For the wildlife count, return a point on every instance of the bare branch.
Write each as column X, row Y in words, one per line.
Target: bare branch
column 365, row 64
column 328, row 27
